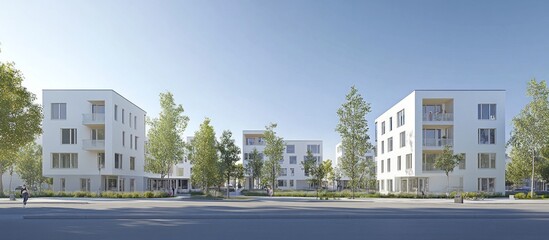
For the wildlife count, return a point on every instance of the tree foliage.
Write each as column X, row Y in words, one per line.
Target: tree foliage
column 314, row 170
column 206, row 168
column 238, row 173
column 20, row 117
column 274, row 150
column 255, row 166
column 328, row 170
column 29, row 165
column 529, row 135
column 165, row 146
column 353, row 129
column 447, row 161
column 229, row 154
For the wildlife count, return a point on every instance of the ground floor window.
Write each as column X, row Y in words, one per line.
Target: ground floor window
column 132, row 185
column 112, row 184
column 282, row 183
column 486, row 184
column 291, row 183
column 85, row 184
column 62, row 181
column 382, row 185
column 390, row 185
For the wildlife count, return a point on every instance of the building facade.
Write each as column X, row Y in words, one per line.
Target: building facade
column 412, row 133
column 93, row 140
column 342, row 181
column 292, row 174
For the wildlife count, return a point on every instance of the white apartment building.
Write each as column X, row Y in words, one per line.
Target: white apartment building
column 411, row 134
column 179, row 177
column 344, row 180
column 292, row 174
column 93, row 140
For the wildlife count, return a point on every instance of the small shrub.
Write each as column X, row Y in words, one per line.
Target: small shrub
column 148, row 194
column 520, row 196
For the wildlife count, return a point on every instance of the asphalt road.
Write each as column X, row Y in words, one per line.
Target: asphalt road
column 274, row 219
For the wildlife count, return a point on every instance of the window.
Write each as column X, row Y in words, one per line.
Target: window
column 292, row 171
column 390, row 185
column 250, row 141
column 399, row 163
column 123, row 138
column 293, row 159
column 131, row 142
column 382, row 147
column 375, row 132
column 122, row 116
column 313, row 148
column 390, row 144
column 388, row 165
column 429, row 162
column 63, row 184
column 68, row 136
column 98, row 134
column 179, row 172
column 130, row 119
column 135, row 144
column 486, row 160
column 486, row 184
column 487, row 111
column 291, row 183
column 282, row 183
column 115, row 112
column 400, row 118
column 382, row 184
column 59, row 111
column 402, row 139
column 132, row 184
column 391, row 124
column 134, row 122
column 281, row 161
column 290, row 148
column 85, row 184
column 382, row 165
column 132, row 164
column 462, row 162
column 64, row 160
column 101, row 160
column 487, row 136
column 283, row 172
column 382, row 127
column 408, row 161
column 118, row 161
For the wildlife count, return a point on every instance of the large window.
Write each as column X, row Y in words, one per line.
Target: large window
column 132, row 164
column 400, row 118
column 293, row 159
column 382, row 127
column 408, row 161
column 318, row 159
column 487, row 111
column 487, row 136
column 290, row 148
column 429, row 162
column 462, row 161
column 402, row 139
column 399, row 163
column 58, row 111
column 64, row 160
column 486, row 184
column 486, row 160
column 283, row 172
column 101, row 160
column 388, row 165
column 313, row 148
column 85, row 184
column 118, row 161
column 68, row 136
column 282, row 183
column 390, row 144
column 98, row 134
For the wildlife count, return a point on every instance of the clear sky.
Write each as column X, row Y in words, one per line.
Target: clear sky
column 245, row 64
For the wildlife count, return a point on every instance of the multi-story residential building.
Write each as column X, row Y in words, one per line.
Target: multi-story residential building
column 179, row 177
column 343, row 180
column 412, row 133
column 292, row 174
column 93, row 140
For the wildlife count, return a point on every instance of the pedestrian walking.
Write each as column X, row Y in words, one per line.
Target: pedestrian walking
column 25, row 195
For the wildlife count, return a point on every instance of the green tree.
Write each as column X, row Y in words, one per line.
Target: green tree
column 20, row 117
column 238, row 174
column 165, row 146
column 529, row 135
column 206, row 172
column 274, row 150
column 229, row 154
column 314, row 170
column 255, row 166
column 329, row 170
column 353, row 129
column 446, row 162
column 29, row 165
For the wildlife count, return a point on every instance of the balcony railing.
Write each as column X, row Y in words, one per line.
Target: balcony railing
column 436, row 142
column 94, row 118
column 438, row 117
column 89, row 144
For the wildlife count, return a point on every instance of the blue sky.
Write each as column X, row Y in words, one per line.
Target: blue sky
column 245, row 64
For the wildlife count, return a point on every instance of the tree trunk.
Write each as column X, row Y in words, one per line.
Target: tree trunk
column 532, row 180
column 228, row 180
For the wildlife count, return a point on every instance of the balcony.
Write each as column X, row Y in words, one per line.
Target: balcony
column 93, row 119
column 438, row 117
column 437, row 142
column 93, row 145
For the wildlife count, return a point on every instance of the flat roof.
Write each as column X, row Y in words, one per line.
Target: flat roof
column 98, row 90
